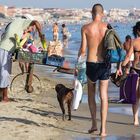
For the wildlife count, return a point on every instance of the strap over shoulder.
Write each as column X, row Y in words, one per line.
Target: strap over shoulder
column 111, row 39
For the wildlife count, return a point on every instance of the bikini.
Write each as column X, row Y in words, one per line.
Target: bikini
column 135, row 69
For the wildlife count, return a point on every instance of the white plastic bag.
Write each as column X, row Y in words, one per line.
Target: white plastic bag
column 132, row 57
column 78, row 91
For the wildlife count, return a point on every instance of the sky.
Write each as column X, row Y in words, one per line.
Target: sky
column 108, row 4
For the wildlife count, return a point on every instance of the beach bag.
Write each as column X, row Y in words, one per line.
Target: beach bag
column 114, row 52
column 128, row 89
column 119, row 80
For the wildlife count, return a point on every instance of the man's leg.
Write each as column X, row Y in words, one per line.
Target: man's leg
column 5, row 70
column 1, row 94
column 103, row 87
column 92, row 105
column 136, row 106
column 5, row 94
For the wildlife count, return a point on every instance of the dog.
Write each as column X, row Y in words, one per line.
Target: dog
column 64, row 96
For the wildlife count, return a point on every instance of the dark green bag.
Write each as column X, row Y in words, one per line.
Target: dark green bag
column 114, row 52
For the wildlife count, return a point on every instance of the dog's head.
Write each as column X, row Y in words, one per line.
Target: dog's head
column 61, row 89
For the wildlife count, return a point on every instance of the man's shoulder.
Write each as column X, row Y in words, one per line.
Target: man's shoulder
column 104, row 24
column 85, row 26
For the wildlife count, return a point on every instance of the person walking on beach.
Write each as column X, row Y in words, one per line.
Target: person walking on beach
column 92, row 40
column 127, row 45
column 8, row 46
column 135, row 48
column 64, row 35
column 55, row 32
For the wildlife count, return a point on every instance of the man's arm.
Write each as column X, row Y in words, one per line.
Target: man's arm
column 124, row 46
column 121, row 65
column 128, row 56
column 82, row 50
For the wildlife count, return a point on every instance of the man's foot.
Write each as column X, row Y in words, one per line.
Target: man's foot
column 103, row 134
column 92, row 130
column 5, row 100
column 136, row 123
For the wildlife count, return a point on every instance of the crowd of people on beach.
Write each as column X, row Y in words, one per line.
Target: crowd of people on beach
column 21, row 32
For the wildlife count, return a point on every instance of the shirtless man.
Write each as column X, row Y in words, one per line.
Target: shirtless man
column 92, row 40
column 55, row 31
column 127, row 43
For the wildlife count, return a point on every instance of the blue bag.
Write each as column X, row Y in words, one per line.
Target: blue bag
column 114, row 52
column 115, row 56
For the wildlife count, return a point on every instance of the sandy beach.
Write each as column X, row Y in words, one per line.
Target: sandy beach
column 38, row 117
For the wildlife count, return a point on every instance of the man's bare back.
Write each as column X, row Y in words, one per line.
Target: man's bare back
column 93, row 34
column 92, row 44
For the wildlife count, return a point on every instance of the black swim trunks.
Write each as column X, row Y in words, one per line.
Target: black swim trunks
column 135, row 70
column 97, row 71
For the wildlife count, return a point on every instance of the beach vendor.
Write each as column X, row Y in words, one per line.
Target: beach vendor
column 8, row 46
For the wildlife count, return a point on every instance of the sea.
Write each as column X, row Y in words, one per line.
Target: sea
column 122, row 29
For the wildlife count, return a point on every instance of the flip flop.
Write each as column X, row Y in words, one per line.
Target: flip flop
column 92, row 130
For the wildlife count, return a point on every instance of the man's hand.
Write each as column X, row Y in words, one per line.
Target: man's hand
column 119, row 72
column 75, row 72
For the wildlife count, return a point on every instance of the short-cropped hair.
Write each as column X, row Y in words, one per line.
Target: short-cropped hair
column 97, row 8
